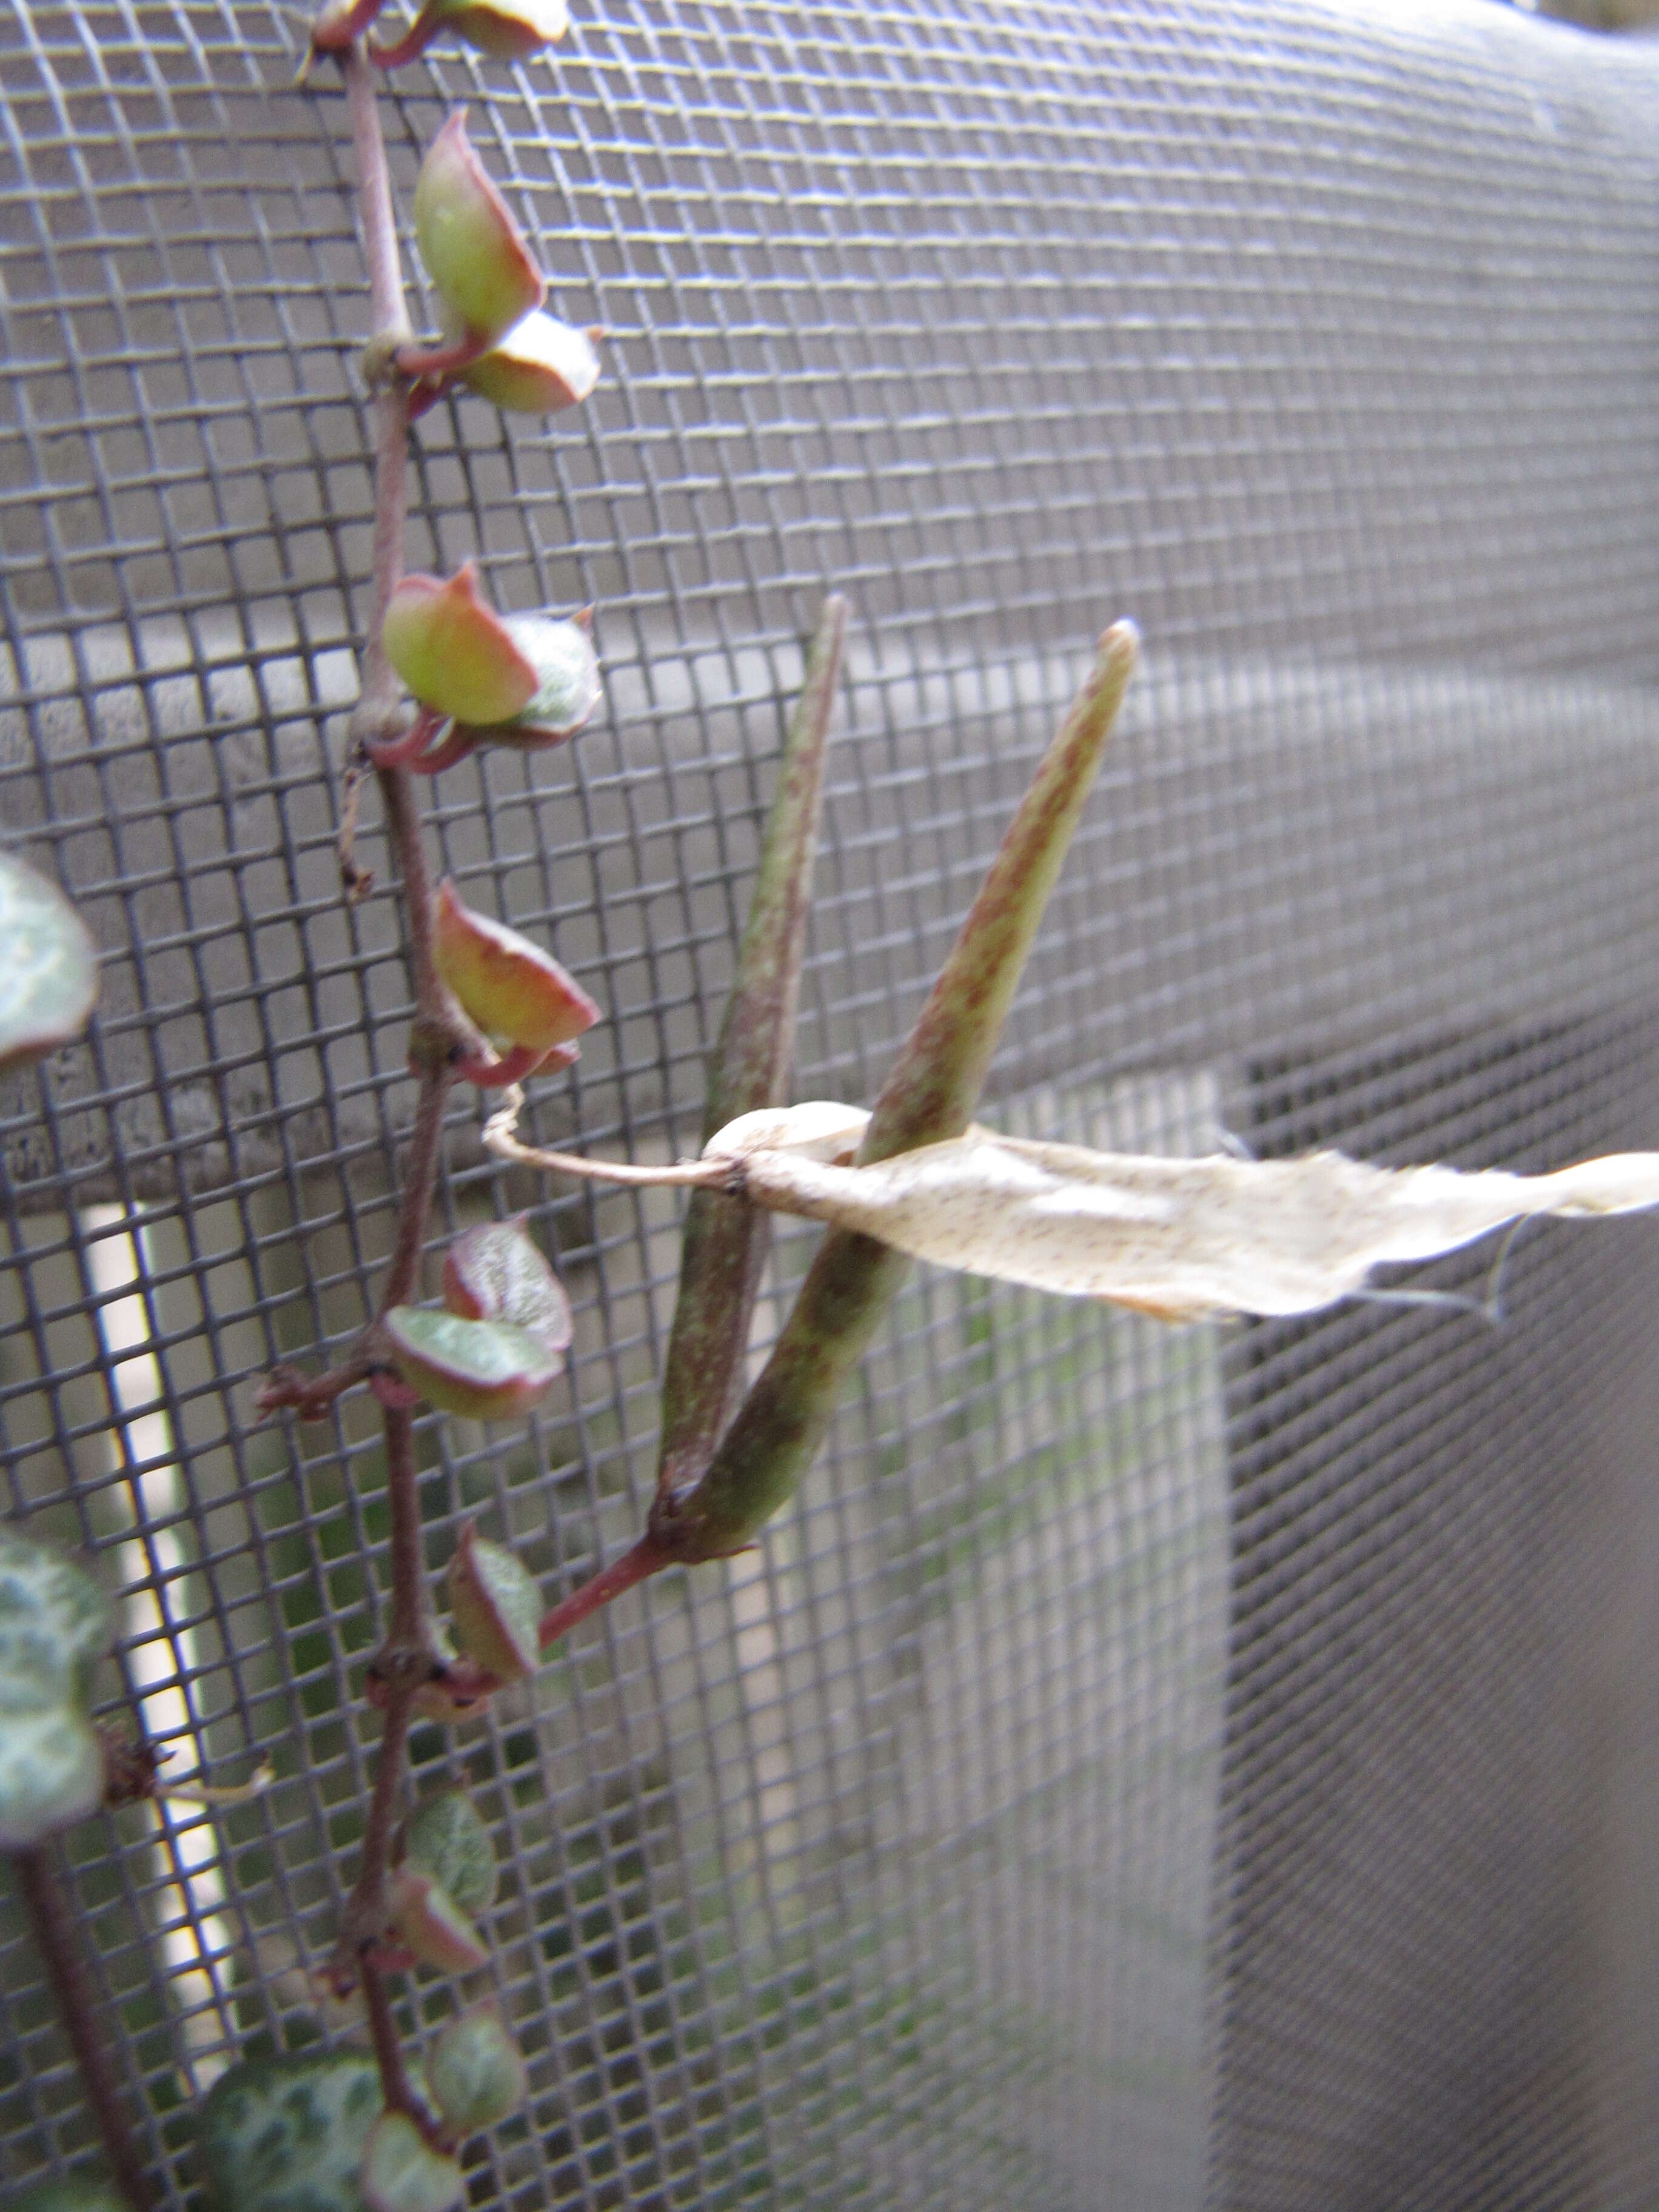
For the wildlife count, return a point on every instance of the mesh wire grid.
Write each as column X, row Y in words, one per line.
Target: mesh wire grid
column 1145, row 1767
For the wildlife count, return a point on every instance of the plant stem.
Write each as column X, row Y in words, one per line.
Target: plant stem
column 52, row 1927
column 388, row 2044
column 636, row 1564
column 406, row 1660
column 421, row 1176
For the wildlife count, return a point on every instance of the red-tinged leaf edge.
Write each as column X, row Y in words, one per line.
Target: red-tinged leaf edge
column 495, row 1272
column 482, row 1370
column 474, row 250
column 495, row 1607
column 509, row 988
column 455, row 653
column 433, row 1926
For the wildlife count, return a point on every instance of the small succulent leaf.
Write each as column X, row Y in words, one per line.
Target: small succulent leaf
column 401, row 2172
column 1181, row 1239
column 495, row 1607
column 539, row 367
column 567, row 679
column 287, row 2134
column 513, row 991
column 39, row 1583
column 493, row 1271
column 445, row 1837
column 432, row 1925
column 52, row 1773
column 506, row 30
column 72, row 2193
column 55, row 1626
column 456, row 654
column 48, row 967
column 477, row 2071
column 474, row 252
column 484, row 1371
column 341, row 21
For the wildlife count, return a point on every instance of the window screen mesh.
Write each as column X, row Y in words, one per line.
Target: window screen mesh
column 1146, row 1767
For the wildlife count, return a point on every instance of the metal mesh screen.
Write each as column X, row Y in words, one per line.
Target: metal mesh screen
column 1146, row 1768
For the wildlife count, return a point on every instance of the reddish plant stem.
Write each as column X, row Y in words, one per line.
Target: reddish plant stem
column 364, row 1922
column 406, row 1660
column 645, row 1558
column 52, row 1927
column 388, row 2043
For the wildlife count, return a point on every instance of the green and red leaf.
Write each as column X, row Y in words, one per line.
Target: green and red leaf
column 476, row 2073
column 474, row 252
column 493, row 1271
column 495, row 1607
column 561, row 649
column 431, row 1926
column 539, row 367
column 485, row 1370
column 445, row 1837
column 515, row 992
column 455, row 653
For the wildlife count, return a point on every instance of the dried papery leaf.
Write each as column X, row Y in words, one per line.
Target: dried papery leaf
column 476, row 2073
column 485, row 1370
column 444, row 1837
column 493, row 1271
column 431, row 1926
column 1179, row 1238
column 456, row 654
column 401, row 2172
column 723, row 1252
column 929, row 1096
column 474, row 252
column 286, row 2135
column 541, row 366
column 48, row 967
column 515, row 992
column 496, row 1606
